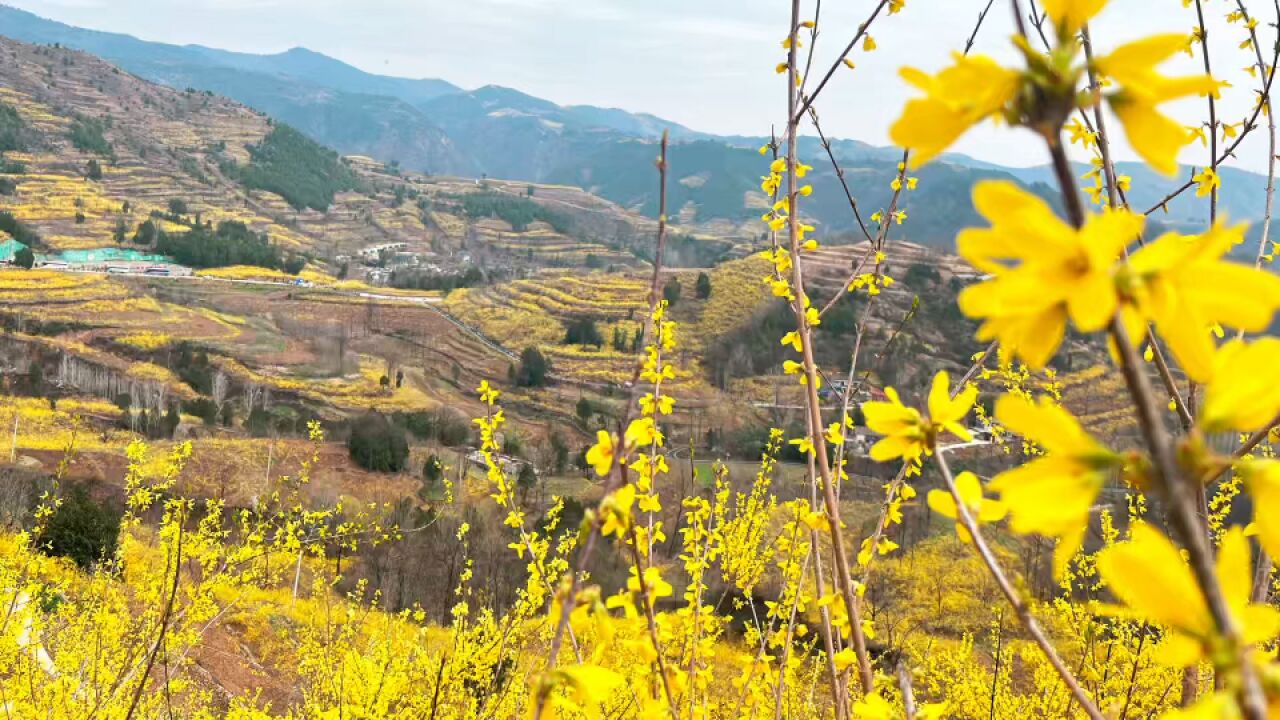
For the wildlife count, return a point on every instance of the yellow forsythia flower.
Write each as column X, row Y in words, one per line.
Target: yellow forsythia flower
column 643, row 432
column 1214, row 706
column 982, row 510
column 588, row 685
column 873, row 707
column 1243, row 394
column 1150, row 576
column 793, row 339
column 1157, row 138
column 488, row 393
column 1182, row 284
column 600, row 455
column 1070, row 15
column 956, row 99
column 907, row 434
column 1207, row 182
column 1263, row 480
column 1053, row 494
column 902, row 427
column 1061, row 272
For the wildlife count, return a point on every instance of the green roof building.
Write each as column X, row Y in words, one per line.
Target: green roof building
column 8, row 249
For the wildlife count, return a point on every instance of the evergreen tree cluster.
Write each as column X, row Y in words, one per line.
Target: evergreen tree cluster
column 89, row 135
column 295, row 167
column 231, row 243
column 18, row 230
column 517, row 212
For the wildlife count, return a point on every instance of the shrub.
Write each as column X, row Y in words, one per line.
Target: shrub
column 81, row 529
column 583, row 331
column 920, row 275
column 18, row 230
column 451, row 428
column 13, row 129
column 702, row 289
column 146, row 233
column 376, row 444
column 671, row 291
column 203, row 408
column 88, row 135
column 585, row 409
column 559, row 453
column 534, row 368
column 528, row 477
column 432, row 471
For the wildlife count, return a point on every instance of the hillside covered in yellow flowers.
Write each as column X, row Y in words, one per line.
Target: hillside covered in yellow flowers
column 292, row 434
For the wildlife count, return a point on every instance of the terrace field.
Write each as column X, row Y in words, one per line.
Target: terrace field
column 104, row 150
column 242, row 350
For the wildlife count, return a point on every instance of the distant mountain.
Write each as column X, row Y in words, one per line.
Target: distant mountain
column 298, row 63
column 1242, row 195
column 377, row 126
column 710, row 180
column 433, row 126
column 356, row 112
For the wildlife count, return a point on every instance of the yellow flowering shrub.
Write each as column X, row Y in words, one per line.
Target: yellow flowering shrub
column 760, row 598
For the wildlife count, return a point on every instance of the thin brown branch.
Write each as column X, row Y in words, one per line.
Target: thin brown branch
column 826, row 145
column 844, row 580
column 1213, row 109
column 1020, row 607
column 1178, row 491
column 1263, row 241
column 795, row 115
column 1116, row 199
column 904, row 685
column 968, row 44
column 165, row 613
column 618, row 473
column 651, row 622
column 1230, row 150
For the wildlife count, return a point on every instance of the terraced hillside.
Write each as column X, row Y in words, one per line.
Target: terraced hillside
column 96, row 152
column 102, row 148
column 536, row 311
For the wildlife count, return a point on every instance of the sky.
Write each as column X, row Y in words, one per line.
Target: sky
column 707, row 64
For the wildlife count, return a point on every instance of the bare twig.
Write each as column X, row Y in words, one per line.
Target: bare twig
column 826, row 145
column 1249, row 125
column 617, row 474
column 968, row 45
column 1263, row 241
column 904, row 685
column 795, row 115
column 1020, row 607
column 1116, row 199
column 844, row 580
column 1213, row 109
column 165, row 613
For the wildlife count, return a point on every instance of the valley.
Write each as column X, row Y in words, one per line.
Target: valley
column 335, row 377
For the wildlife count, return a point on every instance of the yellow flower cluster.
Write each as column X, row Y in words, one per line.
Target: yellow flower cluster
column 976, row 88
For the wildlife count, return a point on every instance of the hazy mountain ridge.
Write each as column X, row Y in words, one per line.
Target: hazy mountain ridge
column 433, row 126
